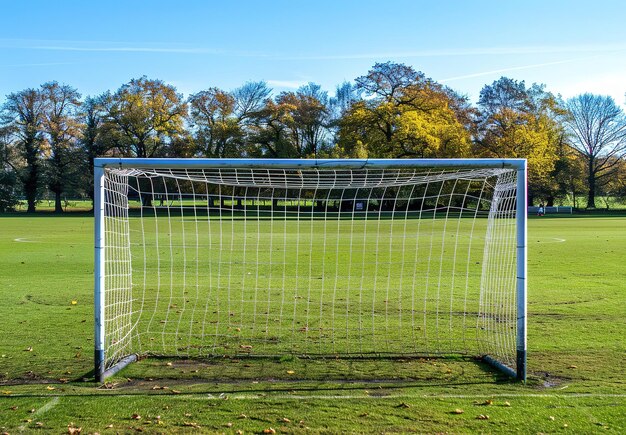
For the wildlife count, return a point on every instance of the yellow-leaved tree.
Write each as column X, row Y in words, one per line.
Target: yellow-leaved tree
column 402, row 113
column 519, row 122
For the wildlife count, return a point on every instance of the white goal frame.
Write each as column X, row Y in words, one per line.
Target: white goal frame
column 519, row 165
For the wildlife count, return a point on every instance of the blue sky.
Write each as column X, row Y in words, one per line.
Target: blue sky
column 570, row 46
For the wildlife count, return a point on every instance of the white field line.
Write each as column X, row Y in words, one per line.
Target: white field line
column 45, row 408
column 376, row 395
column 552, row 240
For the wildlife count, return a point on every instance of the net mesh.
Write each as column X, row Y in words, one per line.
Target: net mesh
column 317, row 261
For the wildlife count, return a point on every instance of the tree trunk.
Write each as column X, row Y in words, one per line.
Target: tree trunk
column 591, row 181
column 146, row 199
column 58, row 206
column 31, row 203
column 30, row 188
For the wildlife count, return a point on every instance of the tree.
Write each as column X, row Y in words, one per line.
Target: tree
column 148, row 114
column 519, row 122
column 402, row 114
column 217, row 129
column 616, row 185
column 97, row 137
column 250, row 99
column 61, row 130
column 597, row 128
column 8, row 176
column 346, row 95
column 22, row 116
column 269, row 131
column 307, row 119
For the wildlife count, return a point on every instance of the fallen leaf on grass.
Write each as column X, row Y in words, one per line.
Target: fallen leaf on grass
column 136, row 417
column 290, row 372
column 191, row 424
column 73, row 302
column 482, row 417
column 71, row 429
column 269, row 430
column 458, row 411
column 50, row 388
column 403, row 405
column 487, row 402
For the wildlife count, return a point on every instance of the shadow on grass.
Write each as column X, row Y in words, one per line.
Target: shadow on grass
column 298, row 375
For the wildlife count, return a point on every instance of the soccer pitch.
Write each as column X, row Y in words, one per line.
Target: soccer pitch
column 577, row 379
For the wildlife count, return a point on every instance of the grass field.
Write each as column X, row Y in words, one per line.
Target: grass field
column 308, row 287
column 577, row 349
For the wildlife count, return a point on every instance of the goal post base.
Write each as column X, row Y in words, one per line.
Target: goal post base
column 121, row 364
column 503, row 368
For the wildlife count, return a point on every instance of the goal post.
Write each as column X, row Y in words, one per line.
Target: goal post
column 197, row 258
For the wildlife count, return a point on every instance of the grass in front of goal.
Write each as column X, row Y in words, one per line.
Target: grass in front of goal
column 576, row 354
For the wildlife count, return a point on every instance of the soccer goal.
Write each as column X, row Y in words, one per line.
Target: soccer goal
column 196, row 258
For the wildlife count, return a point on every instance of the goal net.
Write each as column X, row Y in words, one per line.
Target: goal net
column 341, row 258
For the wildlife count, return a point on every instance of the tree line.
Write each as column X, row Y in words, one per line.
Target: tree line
column 50, row 135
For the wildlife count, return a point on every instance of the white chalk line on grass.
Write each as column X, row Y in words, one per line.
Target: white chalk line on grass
column 23, row 240
column 45, row 408
column 376, row 395
column 552, row 240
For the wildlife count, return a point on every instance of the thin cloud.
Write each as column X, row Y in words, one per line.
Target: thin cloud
column 476, row 51
column 289, row 84
column 22, row 65
column 122, row 47
column 517, row 68
column 505, row 70
column 117, row 47
column 127, row 49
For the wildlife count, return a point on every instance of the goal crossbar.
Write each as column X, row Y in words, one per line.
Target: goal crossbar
column 270, row 194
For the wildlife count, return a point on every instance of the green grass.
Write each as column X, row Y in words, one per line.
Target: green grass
column 285, row 296
column 576, row 352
